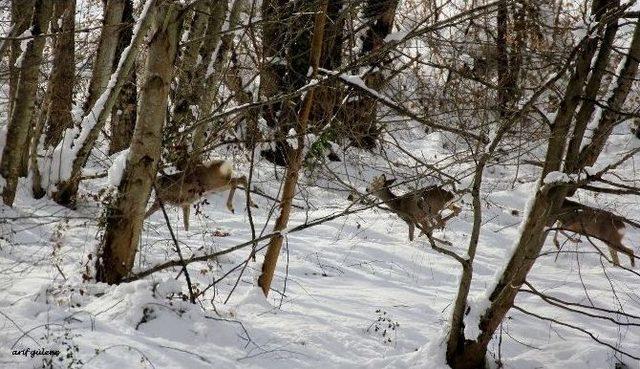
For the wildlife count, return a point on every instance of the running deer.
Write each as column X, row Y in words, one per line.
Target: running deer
column 597, row 223
column 420, row 208
column 187, row 187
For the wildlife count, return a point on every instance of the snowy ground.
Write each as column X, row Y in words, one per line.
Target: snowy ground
column 341, row 278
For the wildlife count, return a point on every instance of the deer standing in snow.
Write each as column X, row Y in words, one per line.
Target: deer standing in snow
column 184, row 188
column 597, row 223
column 420, row 208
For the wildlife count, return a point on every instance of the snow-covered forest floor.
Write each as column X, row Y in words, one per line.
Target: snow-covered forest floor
column 349, row 293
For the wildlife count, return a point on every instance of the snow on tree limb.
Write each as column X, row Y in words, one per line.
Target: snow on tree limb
column 71, row 153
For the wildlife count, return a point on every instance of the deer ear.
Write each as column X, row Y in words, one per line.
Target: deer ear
column 389, row 182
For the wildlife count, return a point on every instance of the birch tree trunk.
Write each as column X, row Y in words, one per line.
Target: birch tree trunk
column 126, row 213
column 113, row 10
column 20, row 120
column 76, row 146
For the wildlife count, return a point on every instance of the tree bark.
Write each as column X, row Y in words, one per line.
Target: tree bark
column 545, row 203
column 327, row 96
column 358, row 118
column 611, row 114
column 126, row 213
column 502, row 55
column 62, row 73
column 123, row 114
column 295, row 160
column 187, row 91
column 213, row 79
column 21, row 16
column 588, row 105
column 20, row 120
column 58, row 100
column 277, row 72
column 106, row 52
column 209, row 54
column 75, row 146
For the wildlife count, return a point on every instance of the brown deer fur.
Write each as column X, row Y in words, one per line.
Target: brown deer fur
column 419, row 208
column 596, row 223
column 185, row 188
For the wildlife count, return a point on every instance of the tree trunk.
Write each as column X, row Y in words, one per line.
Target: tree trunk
column 208, row 69
column 276, row 73
column 588, row 105
column 58, row 100
column 502, row 55
column 215, row 79
column 547, row 199
column 62, row 73
column 123, row 114
column 611, row 114
column 21, row 16
column 126, row 213
column 187, row 91
column 295, row 160
column 75, row 146
column 358, row 118
column 20, row 120
column 327, row 96
column 113, row 10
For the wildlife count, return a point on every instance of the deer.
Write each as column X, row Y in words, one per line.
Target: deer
column 184, row 188
column 420, row 208
column 596, row 223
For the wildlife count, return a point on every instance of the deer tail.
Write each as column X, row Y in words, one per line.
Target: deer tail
column 226, row 169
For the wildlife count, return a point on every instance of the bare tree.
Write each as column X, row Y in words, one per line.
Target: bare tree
column 21, row 16
column 126, row 212
column 294, row 162
column 20, row 120
column 469, row 352
column 109, row 35
column 58, row 102
column 76, row 146
column 123, row 114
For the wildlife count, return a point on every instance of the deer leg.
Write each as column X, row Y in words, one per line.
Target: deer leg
column 412, row 229
column 629, row 252
column 185, row 216
column 555, row 239
column 570, row 237
column 232, row 191
column 632, row 257
column 426, row 228
column 442, row 222
column 614, row 256
column 243, row 181
column 155, row 207
column 622, row 248
column 557, row 243
column 455, row 208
